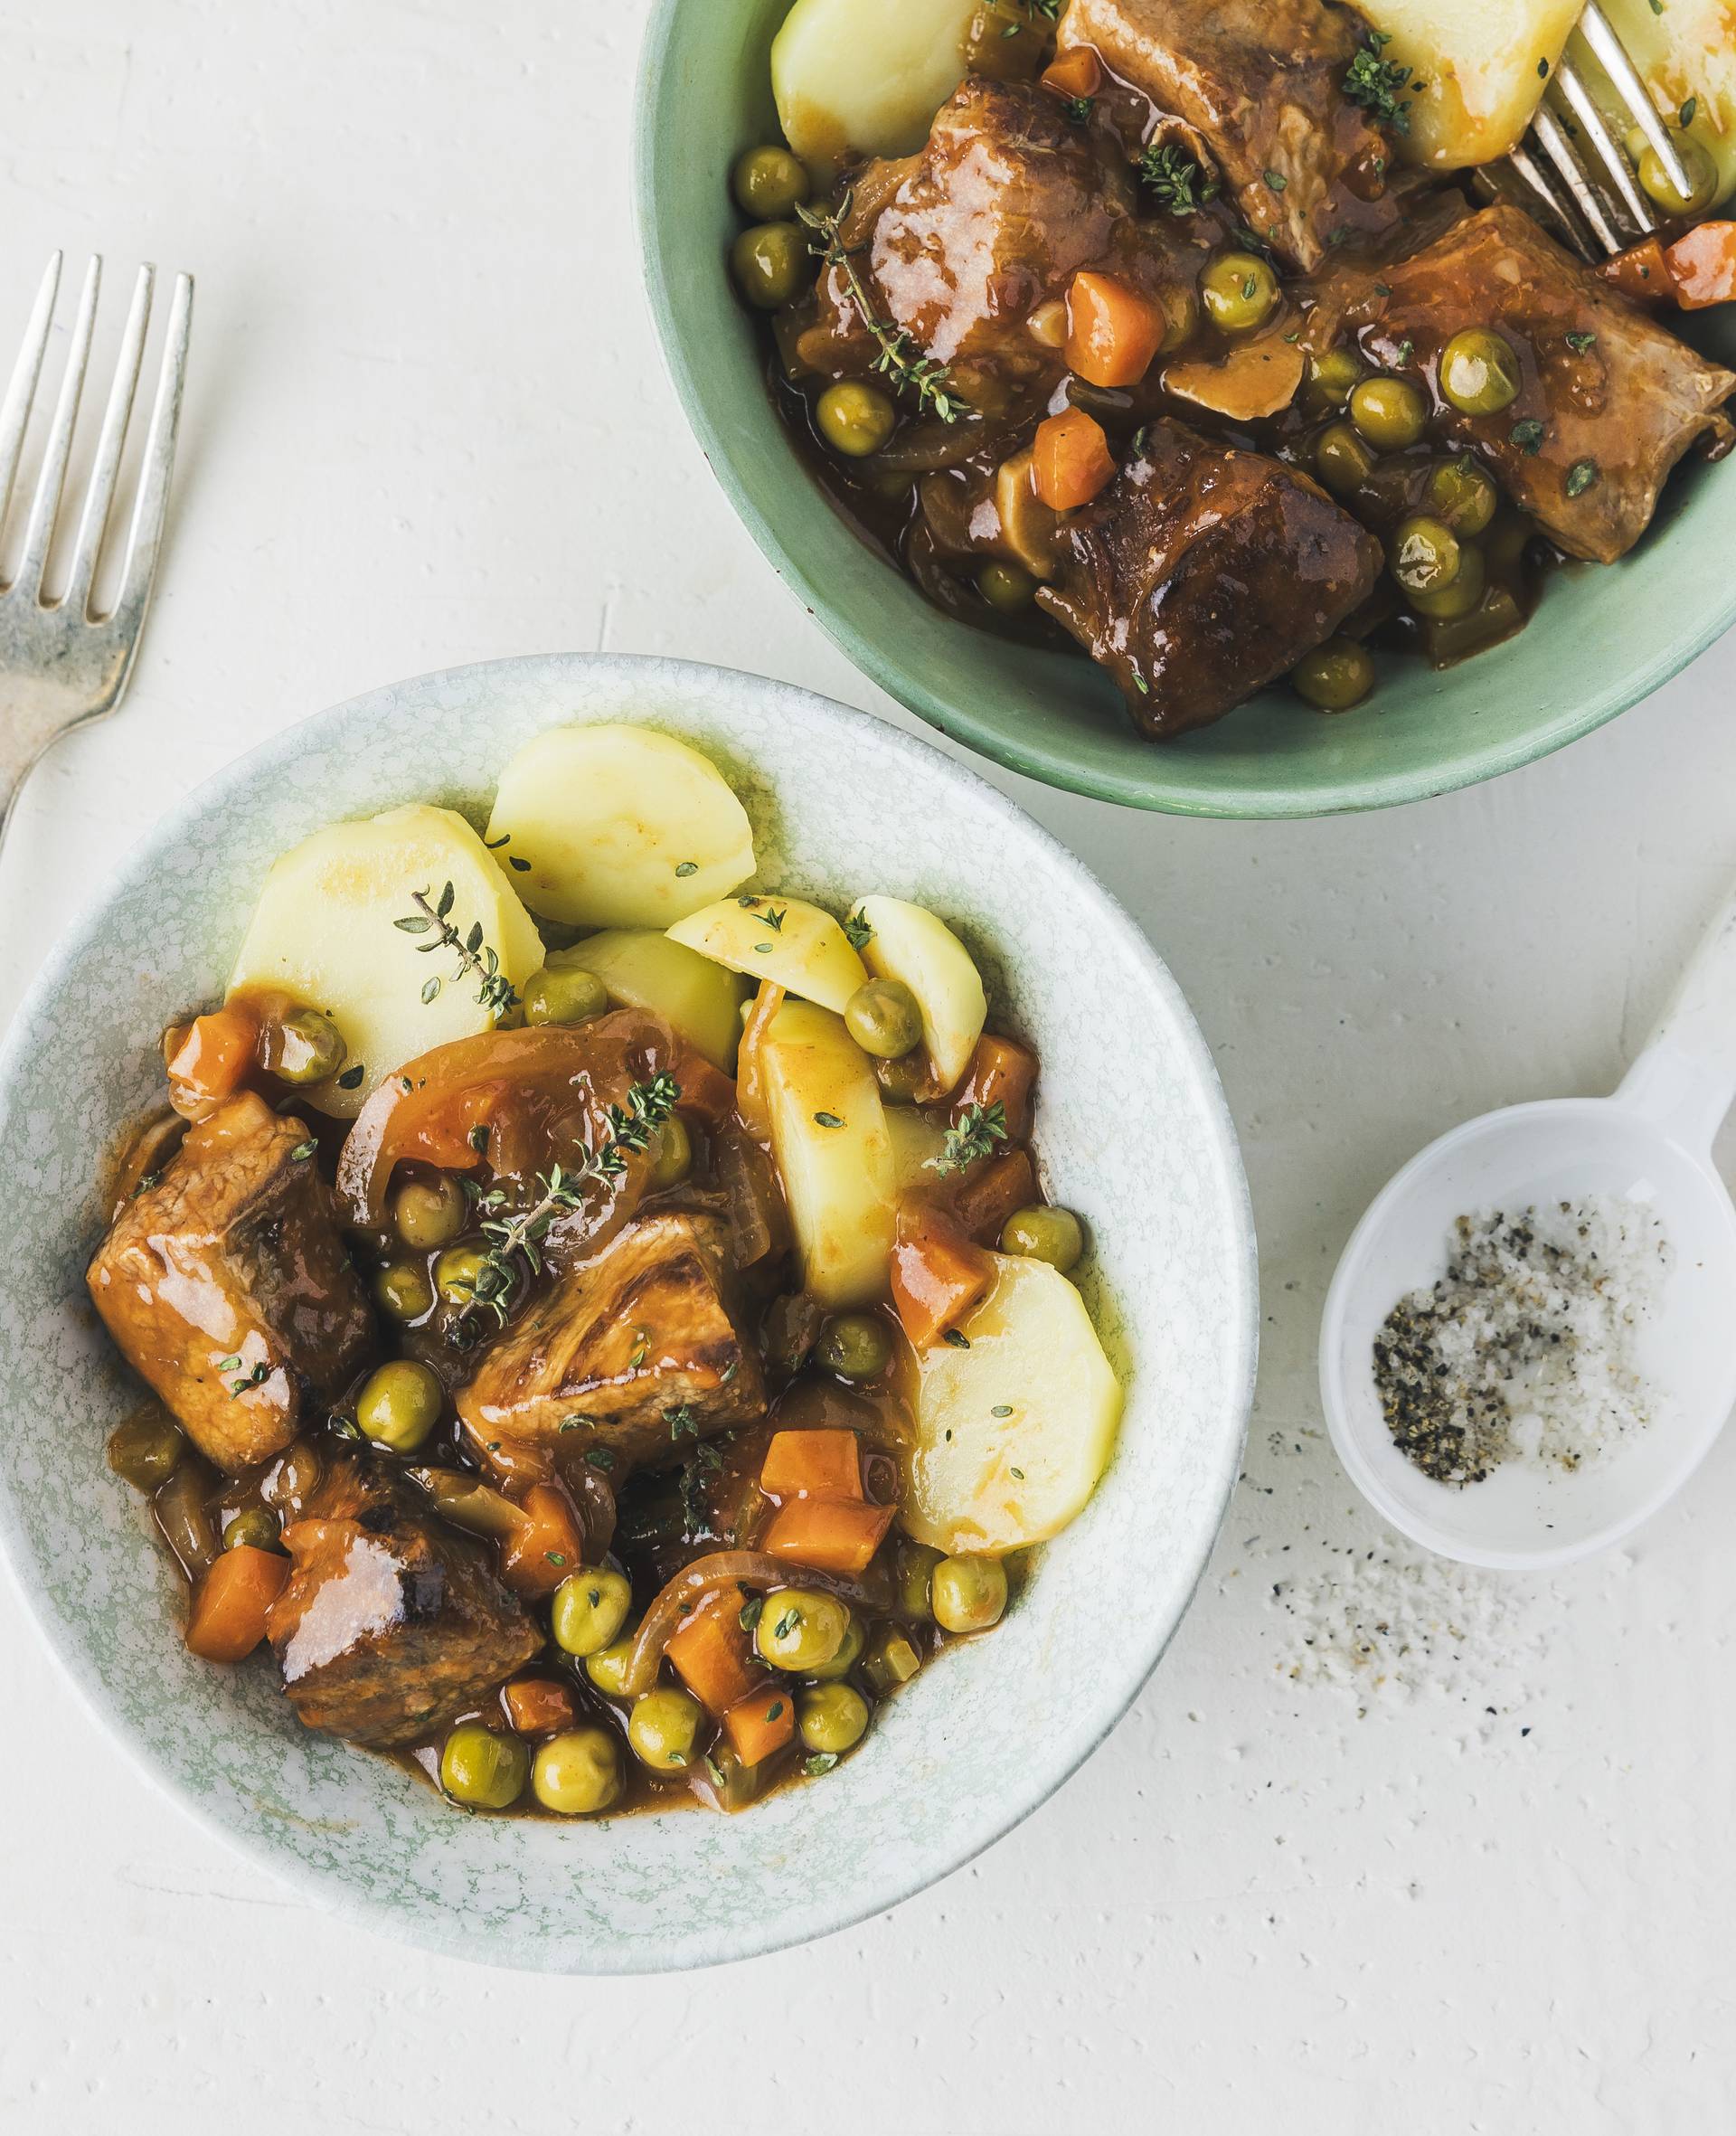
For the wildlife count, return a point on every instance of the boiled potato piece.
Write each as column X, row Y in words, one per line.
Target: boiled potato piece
column 1685, row 52
column 642, row 968
column 917, row 1141
column 828, row 1133
column 911, row 944
column 866, row 77
column 1013, row 1433
column 785, row 939
column 324, row 930
column 1479, row 62
column 621, row 827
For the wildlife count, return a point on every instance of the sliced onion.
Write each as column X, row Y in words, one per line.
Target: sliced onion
column 596, row 1497
column 726, row 1568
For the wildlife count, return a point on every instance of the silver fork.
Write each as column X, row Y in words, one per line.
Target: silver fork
column 1593, row 194
column 60, row 665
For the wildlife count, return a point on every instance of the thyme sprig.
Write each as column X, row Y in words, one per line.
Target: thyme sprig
column 477, row 958
column 929, row 381
column 1182, row 187
column 977, row 1130
column 515, row 1249
column 1377, row 84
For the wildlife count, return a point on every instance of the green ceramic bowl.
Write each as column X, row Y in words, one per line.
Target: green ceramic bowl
column 1604, row 638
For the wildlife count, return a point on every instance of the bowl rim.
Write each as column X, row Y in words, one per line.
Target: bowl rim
column 1054, row 766
column 445, row 1930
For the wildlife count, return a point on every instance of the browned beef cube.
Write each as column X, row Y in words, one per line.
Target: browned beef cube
column 1261, row 82
column 1609, row 401
column 964, row 241
column 392, row 1622
column 227, row 1286
column 636, row 1350
column 1203, row 574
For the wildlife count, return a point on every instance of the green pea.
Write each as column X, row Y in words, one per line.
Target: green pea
column 800, row 1629
column 564, row 994
column 847, row 1657
column 458, row 1272
column 672, row 1152
column 1006, row 587
column 590, row 1609
column 1333, row 676
column 769, row 262
column 1043, row 1233
column 855, row 1346
column 302, row 1047
column 578, row 1772
column 402, row 1290
column 832, row 1718
column 855, row 419
column 1463, row 495
column 1239, row 292
column 969, row 1592
column 1333, row 378
column 902, row 1081
column 1701, row 173
column 1461, row 594
column 429, row 1213
column 1423, row 554
column 768, row 182
column 400, row 1405
column 915, row 1564
column 607, row 1669
column 253, row 1528
column 1341, row 459
column 483, row 1767
column 883, row 1019
column 662, row 1729
column 1390, row 412
column 146, row 1449
column 891, row 1659
column 1479, row 373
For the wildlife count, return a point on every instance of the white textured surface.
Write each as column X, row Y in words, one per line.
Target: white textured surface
column 1307, row 1887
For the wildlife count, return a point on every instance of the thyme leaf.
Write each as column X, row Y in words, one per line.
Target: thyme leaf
column 495, row 991
column 1180, row 186
column 1377, row 84
column 974, row 1134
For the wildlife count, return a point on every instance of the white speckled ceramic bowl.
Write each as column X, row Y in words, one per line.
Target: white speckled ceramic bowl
column 1132, row 1130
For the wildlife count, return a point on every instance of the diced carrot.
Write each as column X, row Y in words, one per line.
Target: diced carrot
column 832, row 1535
column 712, row 1654
column 1071, row 460
column 549, row 1547
column 987, row 1194
column 823, row 1463
column 537, row 1705
column 227, row 1620
column 1112, row 331
column 761, row 1724
column 1702, row 266
column 1074, row 73
column 938, row 1274
column 210, row 1059
column 1641, row 273
column 1002, row 1072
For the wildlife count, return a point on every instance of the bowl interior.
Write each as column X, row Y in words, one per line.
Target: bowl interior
column 841, row 804
column 1602, row 639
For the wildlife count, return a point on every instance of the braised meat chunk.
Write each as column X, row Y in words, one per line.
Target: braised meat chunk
column 1607, row 402
column 1203, row 574
column 637, row 1351
column 390, row 1623
column 226, row 1284
column 1261, row 82
column 964, row 241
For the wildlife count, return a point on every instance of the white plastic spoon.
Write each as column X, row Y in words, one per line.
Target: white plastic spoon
column 1650, row 1143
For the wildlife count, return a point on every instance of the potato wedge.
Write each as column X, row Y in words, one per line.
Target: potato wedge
column 1013, row 1433
column 865, row 76
column 785, row 939
column 828, row 1131
column 916, row 1140
column 622, row 827
column 643, row 968
column 910, row 943
column 1483, row 64
column 326, row 930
